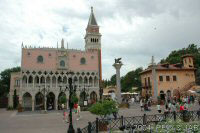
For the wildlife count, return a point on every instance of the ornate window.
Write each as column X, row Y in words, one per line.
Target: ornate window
column 62, row 63
column 83, row 61
column 40, row 59
column 29, row 54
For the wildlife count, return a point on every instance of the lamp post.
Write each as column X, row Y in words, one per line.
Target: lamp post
column 63, row 91
column 72, row 89
column 101, row 92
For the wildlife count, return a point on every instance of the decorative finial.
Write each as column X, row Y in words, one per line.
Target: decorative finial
column 62, row 43
column 152, row 61
column 91, row 9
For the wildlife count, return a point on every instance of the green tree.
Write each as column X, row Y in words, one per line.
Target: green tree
column 5, row 80
column 131, row 79
column 113, row 80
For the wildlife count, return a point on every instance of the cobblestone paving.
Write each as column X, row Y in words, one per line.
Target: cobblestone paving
column 52, row 122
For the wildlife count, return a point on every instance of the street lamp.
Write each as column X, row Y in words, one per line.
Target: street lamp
column 72, row 90
column 63, row 91
column 101, row 93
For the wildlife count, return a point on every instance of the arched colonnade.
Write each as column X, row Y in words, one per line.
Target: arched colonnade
column 37, row 101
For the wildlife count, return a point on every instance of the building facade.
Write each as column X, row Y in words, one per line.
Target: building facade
column 45, row 72
column 166, row 80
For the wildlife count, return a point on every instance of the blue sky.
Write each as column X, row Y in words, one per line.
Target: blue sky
column 132, row 29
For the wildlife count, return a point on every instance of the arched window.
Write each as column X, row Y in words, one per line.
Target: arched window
column 83, row 60
column 62, row 63
column 40, row 59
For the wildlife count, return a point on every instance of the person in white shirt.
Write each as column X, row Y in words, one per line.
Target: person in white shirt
column 158, row 108
column 78, row 113
column 132, row 100
column 141, row 104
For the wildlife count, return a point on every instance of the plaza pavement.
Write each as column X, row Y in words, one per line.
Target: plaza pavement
column 52, row 122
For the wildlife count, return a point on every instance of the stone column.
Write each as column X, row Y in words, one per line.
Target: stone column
column 39, row 79
column 33, row 82
column 117, row 66
column 45, row 101
column 51, row 82
column 10, row 100
column 20, row 98
column 45, row 82
column 93, row 82
column 56, row 102
column 33, row 103
column 56, row 82
column 27, row 81
column 155, row 83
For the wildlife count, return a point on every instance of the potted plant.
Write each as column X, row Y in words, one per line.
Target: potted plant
column 103, row 109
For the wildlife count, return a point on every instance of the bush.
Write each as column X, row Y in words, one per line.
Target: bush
column 104, row 108
column 74, row 99
column 62, row 99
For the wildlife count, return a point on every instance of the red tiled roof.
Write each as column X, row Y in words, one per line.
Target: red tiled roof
column 168, row 67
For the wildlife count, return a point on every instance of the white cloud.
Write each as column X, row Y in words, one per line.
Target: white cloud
column 132, row 29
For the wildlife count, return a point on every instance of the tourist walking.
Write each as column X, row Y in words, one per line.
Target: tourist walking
column 158, row 108
column 173, row 107
column 78, row 113
column 141, row 104
column 75, row 107
column 132, row 100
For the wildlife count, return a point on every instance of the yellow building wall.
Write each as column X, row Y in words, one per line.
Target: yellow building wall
column 184, row 77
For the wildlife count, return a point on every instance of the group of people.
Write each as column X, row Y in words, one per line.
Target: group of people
column 145, row 104
column 176, row 104
column 77, row 110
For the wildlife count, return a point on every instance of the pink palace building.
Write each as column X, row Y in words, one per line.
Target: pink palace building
column 45, row 72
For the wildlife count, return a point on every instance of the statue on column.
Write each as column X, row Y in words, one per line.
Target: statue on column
column 117, row 65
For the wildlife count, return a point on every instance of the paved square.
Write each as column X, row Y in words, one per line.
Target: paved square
column 35, row 122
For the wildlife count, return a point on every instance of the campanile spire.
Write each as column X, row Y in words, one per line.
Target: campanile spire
column 92, row 37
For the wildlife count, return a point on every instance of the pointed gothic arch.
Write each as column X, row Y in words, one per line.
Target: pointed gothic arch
column 93, row 97
column 65, row 80
column 80, row 80
column 30, row 79
column 27, row 101
column 85, row 80
column 39, row 101
column 90, row 81
column 24, row 79
column 62, row 99
column 51, row 101
column 36, row 81
column 48, row 80
column 42, row 80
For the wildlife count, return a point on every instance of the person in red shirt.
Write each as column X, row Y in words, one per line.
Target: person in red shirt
column 75, row 107
column 181, row 107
